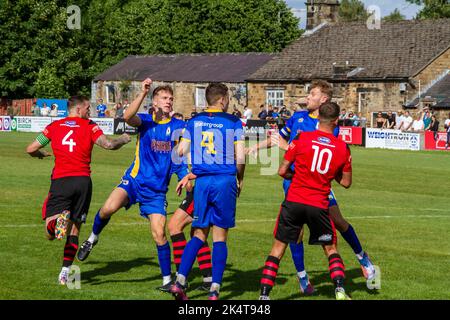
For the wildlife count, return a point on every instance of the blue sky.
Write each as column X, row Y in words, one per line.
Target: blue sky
column 387, row 6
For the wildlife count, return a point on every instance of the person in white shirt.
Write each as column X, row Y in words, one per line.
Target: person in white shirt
column 418, row 125
column 247, row 113
column 407, row 122
column 399, row 120
column 447, row 129
column 45, row 110
column 54, row 110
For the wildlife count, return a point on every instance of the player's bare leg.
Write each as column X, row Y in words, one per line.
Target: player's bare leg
column 337, row 270
column 348, row 233
column 116, row 200
column 271, row 267
column 157, row 229
column 70, row 250
column 180, row 220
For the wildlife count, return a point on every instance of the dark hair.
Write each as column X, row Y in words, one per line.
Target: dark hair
column 329, row 111
column 177, row 115
column 324, row 87
column 214, row 92
column 76, row 100
column 165, row 88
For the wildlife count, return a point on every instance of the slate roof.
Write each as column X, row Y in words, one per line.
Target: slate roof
column 220, row 67
column 399, row 50
column 439, row 92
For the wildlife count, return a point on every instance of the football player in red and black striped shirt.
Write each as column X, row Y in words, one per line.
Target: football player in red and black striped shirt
column 319, row 158
column 67, row 203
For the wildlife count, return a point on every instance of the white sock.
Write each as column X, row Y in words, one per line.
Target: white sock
column 301, row 274
column 360, row 255
column 166, row 280
column 207, row 279
column 215, row 287
column 65, row 269
column 181, row 279
column 92, row 238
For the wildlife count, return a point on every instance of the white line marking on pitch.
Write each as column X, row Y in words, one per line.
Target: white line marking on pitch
column 244, row 220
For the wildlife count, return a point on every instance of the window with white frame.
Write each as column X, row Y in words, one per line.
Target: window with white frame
column 200, row 99
column 275, row 97
column 110, row 93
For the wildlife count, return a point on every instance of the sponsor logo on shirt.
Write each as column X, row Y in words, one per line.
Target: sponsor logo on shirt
column 324, row 140
column 71, row 123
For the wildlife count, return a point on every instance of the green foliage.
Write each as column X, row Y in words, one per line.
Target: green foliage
column 394, row 16
column 40, row 56
column 352, row 10
column 433, row 9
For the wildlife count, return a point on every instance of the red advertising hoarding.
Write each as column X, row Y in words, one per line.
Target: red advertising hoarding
column 435, row 144
column 351, row 135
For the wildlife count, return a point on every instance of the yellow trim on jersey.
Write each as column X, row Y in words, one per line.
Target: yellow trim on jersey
column 162, row 121
column 314, row 117
column 184, row 139
column 137, row 163
column 213, row 110
column 236, row 142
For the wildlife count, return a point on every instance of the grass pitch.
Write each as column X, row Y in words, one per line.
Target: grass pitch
column 399, row 206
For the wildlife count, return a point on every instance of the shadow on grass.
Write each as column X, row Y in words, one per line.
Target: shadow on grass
column 325, row 287
column 100, row 275
column 237, row 282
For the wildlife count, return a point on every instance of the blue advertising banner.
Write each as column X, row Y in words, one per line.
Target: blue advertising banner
column 60, row 103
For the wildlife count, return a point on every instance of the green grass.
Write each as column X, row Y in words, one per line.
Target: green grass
column 399, row 205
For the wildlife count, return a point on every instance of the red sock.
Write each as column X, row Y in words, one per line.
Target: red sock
column 51, row 227
column 178, row 244
column 337, row 269
column 269, row 275
column 70, row 250
column 204, row 260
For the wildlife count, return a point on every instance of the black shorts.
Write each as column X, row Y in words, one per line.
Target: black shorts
column 69, row 193
column 294, row 215
column 187, row 204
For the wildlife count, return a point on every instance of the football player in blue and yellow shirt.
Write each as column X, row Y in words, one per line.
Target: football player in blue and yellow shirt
column 216, row 142
column 307, row 121
column 146, row 180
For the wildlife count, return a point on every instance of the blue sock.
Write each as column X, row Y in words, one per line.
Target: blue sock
column 99, row 224
column 164, row 259
column 219, row 261
column 189, row 256
column 298, row 253
column 352, row 239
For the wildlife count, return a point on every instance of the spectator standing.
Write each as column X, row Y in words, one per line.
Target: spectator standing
column 269, row 113
column 417, row 125
column 434, row 126
column 262, row 115
column 248, row 114
column 125, row 105
column 447, row 129
column 101, row 109
column 275, row 114
column 194, row 112
column 390, row 120
column 426, row 118
column 285, row 113
column 54, row 110
column 407, row 121
column 236, row 112
column 380, row 120
column 399, row 120
column 45, row 110
column 119, row 111
column 350, row 120
column 35, row 110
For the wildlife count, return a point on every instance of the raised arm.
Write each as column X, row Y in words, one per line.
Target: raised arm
column 112, row 144
column 129, row 115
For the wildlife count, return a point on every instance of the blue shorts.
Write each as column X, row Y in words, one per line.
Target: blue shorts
column 331, row 196
column 215, row 201
column 150, row 202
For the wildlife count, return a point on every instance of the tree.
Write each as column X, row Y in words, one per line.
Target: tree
column 352, row 10
column 394, row 16
column 433, row 9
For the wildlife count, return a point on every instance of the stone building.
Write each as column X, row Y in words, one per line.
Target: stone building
column 188, row 74
column 370, row 69
column 320, row 11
